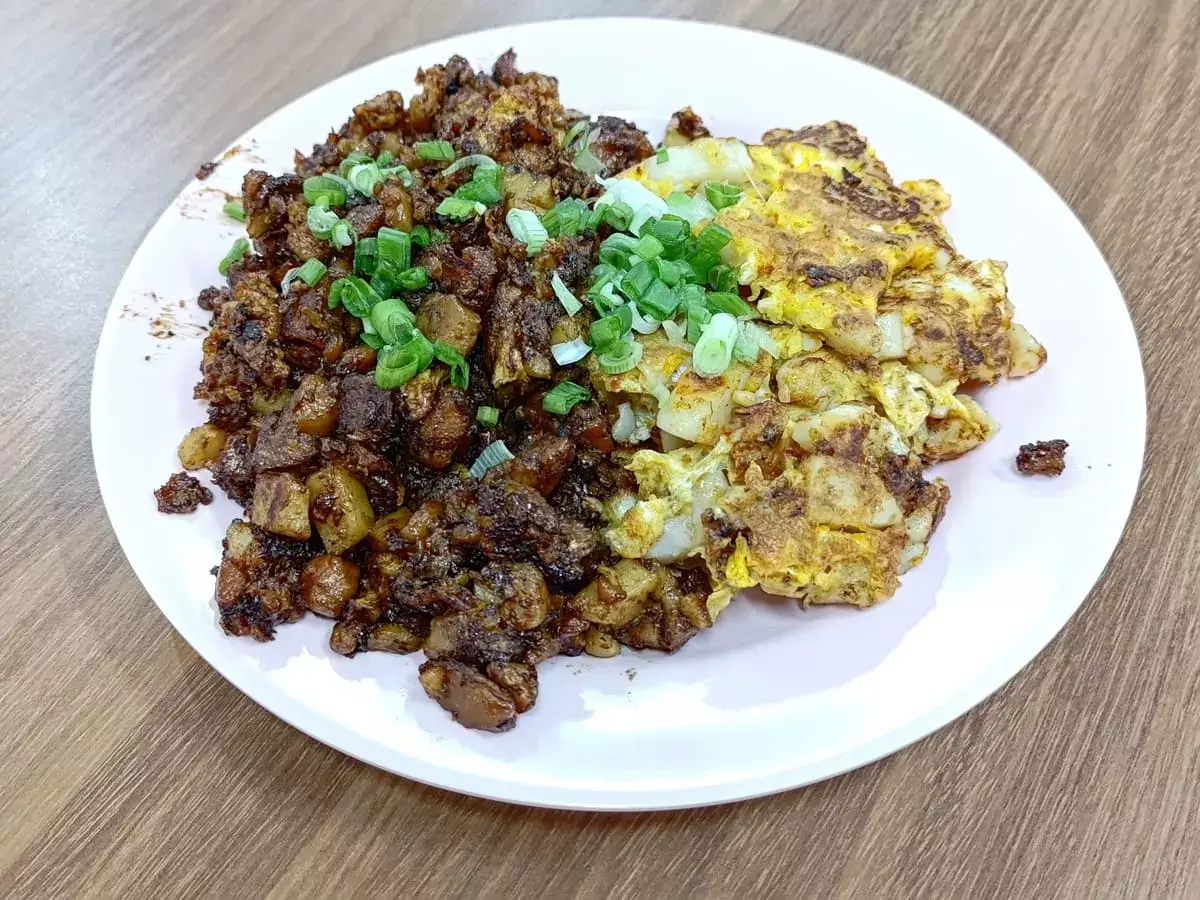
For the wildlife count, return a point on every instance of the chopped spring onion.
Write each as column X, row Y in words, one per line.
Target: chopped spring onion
column 722, row 195
column 458, row 208
column 414, row 279
column 437, row 150
column 713, row 237
column 372, row 340
column 616, row 215
column 616, row 249
column 474, row 159
column 637, row 280
column 648, row 247
column 310, row 273
column 394, row 247
column 658, row 301
column 714, row 350
column 324, row 190
column 670, row 229
column 574, row 132
column 342, row 234
column 587, row 162
column 487, row 416
column 674, row 330
column 568, row 300
column 619, row 357
column 698, row 317
column 460, row 372
column 606, row 299
column 239, row 249
column 670, row 272
column 611, row 328
column 421, row 235
column 662, row 156
column 321, row 221
column 527, row 228
column 355, row 294
column 751, row 339
column 643, row 324
column 383, row 158
column 235, row 210
column 493, row 454
column 486, row 186
column 723, row 278
column 566, row 217
column 391, row 320
column 364, row 256
column 364, row 177
column 402, row 174
column 355, row 158
column 570, row 352
column 732, row 304
column 693, row 209
column 634, row 195
column 564, row 397
column 398, row 363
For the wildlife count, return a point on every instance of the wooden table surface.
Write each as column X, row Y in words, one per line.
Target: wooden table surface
column 129, row 768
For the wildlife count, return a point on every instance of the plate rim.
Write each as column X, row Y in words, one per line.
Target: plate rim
column 321, row 728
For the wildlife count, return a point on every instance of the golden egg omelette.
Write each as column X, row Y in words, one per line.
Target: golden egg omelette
column 801, row 471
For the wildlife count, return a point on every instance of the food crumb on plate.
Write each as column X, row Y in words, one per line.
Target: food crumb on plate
column 1042, row 458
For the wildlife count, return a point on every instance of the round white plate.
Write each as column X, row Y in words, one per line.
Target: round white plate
column 773, row 697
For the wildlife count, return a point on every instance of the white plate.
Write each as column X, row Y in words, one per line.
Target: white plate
column 773, row 697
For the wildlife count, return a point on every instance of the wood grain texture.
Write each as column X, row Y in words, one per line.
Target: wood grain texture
column 128, row 768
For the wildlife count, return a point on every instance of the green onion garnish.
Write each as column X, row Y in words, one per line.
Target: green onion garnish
column 493, row 454
column 392, row 320
column 619, row 357
column 354, row 158
column 372, row 340
column 722, row 195
column 235, row 210
column 567, row 217
column 384, row 158
column 394, row 247
column 714, row 350
column 713, row 237
column 568, row 300
column 528, row 229
column 342, row 234
column 648, row 247
column 637, row 280
column 485, row 187
column 618, row 215
column 751, row 339
column 397, row 364
column 310, row 273
column 659, row 301
column 457, row 208
column 721, row 302
column 441, row 150
column 573, row 133
column 400, row 172
column 474, row 159
column 460, row 372
column 239, row 249
column 420, row 235
column 321, row 221
column 414, row 279
column 697, row 318
column 611, row 328
column 662, row 155
column 570, row 352
column 722, row 278
column 487, row 416
column 564, row 397
column 322, row 190
column 355, row 295
column 364, row 256
column 364, row 177
column 587, row 162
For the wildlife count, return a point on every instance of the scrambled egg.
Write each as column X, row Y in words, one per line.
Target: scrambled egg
column 801, row 473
